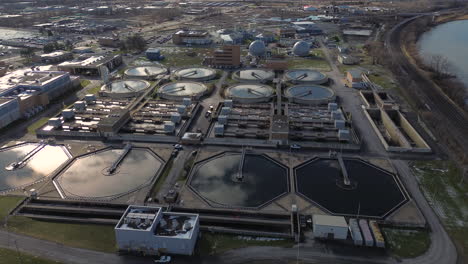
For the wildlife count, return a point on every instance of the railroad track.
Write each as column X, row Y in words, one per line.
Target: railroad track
column 431, row 95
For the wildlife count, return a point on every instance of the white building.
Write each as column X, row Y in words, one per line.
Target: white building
column 330, row 227
column 151, row 231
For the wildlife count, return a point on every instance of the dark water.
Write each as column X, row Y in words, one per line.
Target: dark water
column 377, row 192
column 263, row 180
column 87, row 177
column 451, row 41
column 42, row 164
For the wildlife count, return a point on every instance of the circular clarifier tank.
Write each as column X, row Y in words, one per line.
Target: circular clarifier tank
column 305, row 76
column 370, row 191
column 145, row 72
column 195, row 74
column 108, row 173
column 254, row 75
column 230, row 180
column 250, row 93
column 24, row 164
column 125, row 88
column 182, row 89
column 310, row 94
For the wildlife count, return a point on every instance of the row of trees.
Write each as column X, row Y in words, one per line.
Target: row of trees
column 135, row 42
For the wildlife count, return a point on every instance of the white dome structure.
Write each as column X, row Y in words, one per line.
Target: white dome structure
column 301, row 49
column 257, row 48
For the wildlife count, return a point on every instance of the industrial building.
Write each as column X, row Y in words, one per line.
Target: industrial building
column 346, row 59
column 98, row 65
column 54, row 57
column 228, row 56
column 109, row 42
column 149, row 230
column 23, row 93
column 329, row 227
column 191, row 37
column 354, row 79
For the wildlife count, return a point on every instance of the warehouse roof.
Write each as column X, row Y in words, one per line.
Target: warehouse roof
column 329, row 220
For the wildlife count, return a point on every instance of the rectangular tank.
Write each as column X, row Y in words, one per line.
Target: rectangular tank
column 379, row 239
column 55, row 122
column 176, row 118
column 369, row 241
column 219, row 129
column 340, row 124
column 228, row 103
column 332, row 106
column 68, row 114
column 223, row 119
column 186, row 101
column 169, row 127
column 344, row 135
column 355, row 232
column 225, row 110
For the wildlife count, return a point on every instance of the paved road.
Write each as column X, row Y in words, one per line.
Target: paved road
column 442, row 249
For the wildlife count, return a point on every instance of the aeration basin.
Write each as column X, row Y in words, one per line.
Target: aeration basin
column 235, row 180
column 249, row 93
column 24, row 164
column 371, row 191
column 109, row 173
column 310, row 94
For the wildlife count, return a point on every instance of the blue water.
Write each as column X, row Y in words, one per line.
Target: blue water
column 451, row 41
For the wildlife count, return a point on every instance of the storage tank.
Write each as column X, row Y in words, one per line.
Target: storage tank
column 182, row 90
column 301, row 49
column 198, row 74
column 366, row 233
column 124, row 88
column 250, row 93
column 257, row 48
column 310, row 94
column 355, row 232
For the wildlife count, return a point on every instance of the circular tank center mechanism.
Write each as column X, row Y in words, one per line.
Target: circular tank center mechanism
column 183, row 89
column 126, row 86
column 239, row 180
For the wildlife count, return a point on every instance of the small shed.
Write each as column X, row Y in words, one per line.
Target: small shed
column 330, row 227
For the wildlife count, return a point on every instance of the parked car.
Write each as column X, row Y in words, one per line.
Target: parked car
column 163, row 259
column 296, row 146
column 178, row 146
column 207, row 114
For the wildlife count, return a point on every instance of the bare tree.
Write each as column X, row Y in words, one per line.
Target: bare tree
column 440, row 66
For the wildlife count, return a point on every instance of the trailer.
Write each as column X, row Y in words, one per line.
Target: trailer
column 379, row 239
column 366, row 233
column 355, row 232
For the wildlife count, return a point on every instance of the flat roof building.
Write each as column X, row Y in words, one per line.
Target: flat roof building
column 151, row 231
column 228, row 56
column 92, row 66
column 192, row 37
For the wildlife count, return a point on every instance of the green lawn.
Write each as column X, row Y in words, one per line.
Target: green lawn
column 315, row 61
column 8, row 256
column 183, row 56
column 84, row 83
column 94, row 237
column 94, row 90
column 383, row 80
column 212, row 244
column 39, row 123
column 7, row 203
column 407, row 243
column 441, row 183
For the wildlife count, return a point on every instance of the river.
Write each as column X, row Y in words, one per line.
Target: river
column 451, row 41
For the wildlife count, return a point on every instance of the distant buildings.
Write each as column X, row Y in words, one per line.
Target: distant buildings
column 54, row 57
column 151, row 231
column 354, row 79
column 228, row 56
column 109, row 42
column 191, row 37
